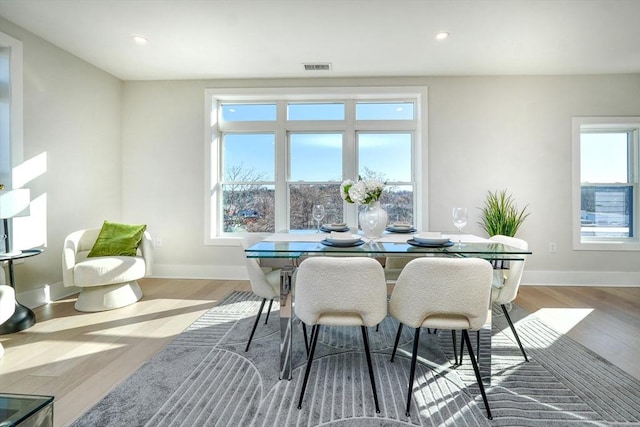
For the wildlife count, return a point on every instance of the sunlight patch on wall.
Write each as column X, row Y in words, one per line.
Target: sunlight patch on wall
column 31, row 231
column 29, row 170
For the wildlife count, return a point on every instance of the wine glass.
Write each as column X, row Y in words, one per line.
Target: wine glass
column 318, row 214
column 460, row 217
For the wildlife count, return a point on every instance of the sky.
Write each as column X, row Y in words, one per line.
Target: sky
column 318, row 156
column 603, row 158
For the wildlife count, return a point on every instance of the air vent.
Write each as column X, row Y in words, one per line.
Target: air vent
column 319, row 66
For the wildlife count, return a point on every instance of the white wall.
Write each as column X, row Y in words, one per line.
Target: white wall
column 72, row 150
column 485, row 133
column 134, row 151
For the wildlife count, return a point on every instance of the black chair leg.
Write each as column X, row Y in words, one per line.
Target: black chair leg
column 513, row 329
column 462, row 346
column 455, row 345
column 306, row 338
column 377, row 327
column 264, row 300
column 314, row 340
column 395, row 345
column 465, row 336
column 365, row 339
column 478, row 346
column 268, row 311
column 412, row 372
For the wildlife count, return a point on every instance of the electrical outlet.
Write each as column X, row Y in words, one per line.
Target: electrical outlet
column 157, row 242
column 552, row 247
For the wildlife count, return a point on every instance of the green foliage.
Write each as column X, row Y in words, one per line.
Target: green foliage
column 500, row 214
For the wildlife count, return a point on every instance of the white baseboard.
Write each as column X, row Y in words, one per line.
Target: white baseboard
column 582, row 278
column 218, row 272
column 55, row 291
column 45, row 294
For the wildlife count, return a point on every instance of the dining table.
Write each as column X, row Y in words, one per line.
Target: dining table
column 295, row 245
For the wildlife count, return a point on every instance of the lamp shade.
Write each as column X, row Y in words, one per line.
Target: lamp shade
column 14, row 203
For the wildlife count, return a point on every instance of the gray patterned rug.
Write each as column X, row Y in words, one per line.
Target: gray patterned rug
column 204, row 378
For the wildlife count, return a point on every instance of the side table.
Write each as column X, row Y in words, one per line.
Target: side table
column 23, row 317
column 26, row 411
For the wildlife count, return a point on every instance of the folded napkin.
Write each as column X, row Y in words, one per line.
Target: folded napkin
column 337, row 235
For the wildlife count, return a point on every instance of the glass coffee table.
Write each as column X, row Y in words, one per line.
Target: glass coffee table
column 26, row 410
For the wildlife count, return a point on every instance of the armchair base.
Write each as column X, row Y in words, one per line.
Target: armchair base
column 108, row 297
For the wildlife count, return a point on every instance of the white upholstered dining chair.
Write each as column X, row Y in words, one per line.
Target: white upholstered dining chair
column 340, row 291
column 507, row 282
column 265, row 283
column 442, row 293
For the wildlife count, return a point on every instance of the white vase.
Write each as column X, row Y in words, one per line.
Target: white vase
column 373, row 220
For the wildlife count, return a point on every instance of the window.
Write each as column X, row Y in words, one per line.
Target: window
column 605, row 183
column 272, row 155
column 10, row 108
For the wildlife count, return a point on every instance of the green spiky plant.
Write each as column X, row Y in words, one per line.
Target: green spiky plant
column 500, row 214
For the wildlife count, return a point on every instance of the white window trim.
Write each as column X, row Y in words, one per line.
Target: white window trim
column 11, row 143
column 212, row 162
column 632, row 244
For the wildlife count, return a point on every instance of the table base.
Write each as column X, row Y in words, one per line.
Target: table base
column 22, row 318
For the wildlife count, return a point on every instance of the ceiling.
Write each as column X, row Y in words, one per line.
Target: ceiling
column 206, row 39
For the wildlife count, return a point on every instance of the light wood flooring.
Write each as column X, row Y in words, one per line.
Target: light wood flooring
column 79, row 357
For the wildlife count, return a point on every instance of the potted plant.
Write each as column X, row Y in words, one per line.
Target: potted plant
column 500, row 214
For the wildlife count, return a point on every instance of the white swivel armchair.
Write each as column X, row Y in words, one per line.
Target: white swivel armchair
column 7, row 306
column 106, row 282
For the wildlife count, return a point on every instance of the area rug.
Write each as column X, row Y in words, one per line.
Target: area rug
column 205, row 378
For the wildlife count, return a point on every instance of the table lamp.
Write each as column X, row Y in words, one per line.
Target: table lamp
column 13, row 203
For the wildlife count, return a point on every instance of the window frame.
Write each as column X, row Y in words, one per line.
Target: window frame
column 622, row 124
column 213, row 97
column 11, row 137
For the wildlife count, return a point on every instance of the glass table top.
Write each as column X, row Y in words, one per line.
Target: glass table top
column 296, row 248
column 15, row 408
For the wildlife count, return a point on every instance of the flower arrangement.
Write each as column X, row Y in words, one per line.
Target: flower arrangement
column 362, row 191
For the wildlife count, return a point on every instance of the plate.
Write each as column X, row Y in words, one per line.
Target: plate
column 327, row 228
column 392, row 229
column 341, row 244
column 446, row 244
column 430, row 238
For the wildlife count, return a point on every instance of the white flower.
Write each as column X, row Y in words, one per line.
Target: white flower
column 358, row 192
column 344, row 190
column 361, row 192
column 373, row 186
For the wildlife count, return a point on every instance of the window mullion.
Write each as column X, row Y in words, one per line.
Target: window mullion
column 282, row 169
column 350, row 162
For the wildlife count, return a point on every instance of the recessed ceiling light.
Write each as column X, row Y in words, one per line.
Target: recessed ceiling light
column 139, row 40
column 442, row 35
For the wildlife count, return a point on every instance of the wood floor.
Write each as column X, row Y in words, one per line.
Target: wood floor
column 79, row 357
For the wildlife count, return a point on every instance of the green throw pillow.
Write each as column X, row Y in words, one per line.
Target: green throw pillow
column 117, row 239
